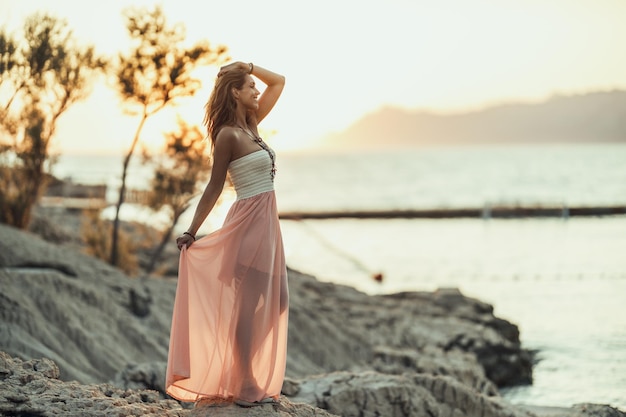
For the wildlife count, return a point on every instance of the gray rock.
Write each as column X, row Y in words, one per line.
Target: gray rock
column 578, row 410
column 284, row 408
column 63, row 305
column 596, row 410
column 149, row 375
column 433, row 360
column 355, row 328
column 86, row 322
column 32, row 388
column 416, row 395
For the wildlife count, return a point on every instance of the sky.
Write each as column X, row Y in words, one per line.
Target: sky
column 344, row 59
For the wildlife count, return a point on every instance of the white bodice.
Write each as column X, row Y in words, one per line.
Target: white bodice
column 251, row 174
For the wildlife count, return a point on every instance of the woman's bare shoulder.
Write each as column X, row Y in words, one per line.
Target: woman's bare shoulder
column 228, row 136
column 226, row 132
column 232, row 141
column 225, row 141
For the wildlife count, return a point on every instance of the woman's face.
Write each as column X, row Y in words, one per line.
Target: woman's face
column 248, row 94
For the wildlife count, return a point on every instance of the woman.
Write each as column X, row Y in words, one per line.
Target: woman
column 229, row 327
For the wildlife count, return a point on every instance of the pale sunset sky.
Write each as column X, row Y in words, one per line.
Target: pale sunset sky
column 346, row 58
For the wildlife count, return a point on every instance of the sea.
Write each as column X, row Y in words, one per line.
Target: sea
column 562, row 279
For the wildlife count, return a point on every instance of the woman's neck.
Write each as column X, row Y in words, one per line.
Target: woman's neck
column 240, row 117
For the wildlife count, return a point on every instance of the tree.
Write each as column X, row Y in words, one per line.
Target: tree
column 41, row 76
column 178, row 174
column 96, row 233
column 153, row 75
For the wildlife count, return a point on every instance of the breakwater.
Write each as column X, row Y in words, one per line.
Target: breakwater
column 485, row 212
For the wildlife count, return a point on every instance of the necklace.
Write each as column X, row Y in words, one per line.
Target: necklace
column 259, row 141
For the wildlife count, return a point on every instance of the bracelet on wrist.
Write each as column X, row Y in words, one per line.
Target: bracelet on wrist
column 251, row 65
column 190, row 234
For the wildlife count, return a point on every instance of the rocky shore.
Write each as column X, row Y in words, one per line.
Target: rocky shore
column 79, row 337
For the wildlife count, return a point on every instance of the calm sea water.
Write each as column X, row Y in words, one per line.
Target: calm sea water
column 563, row 281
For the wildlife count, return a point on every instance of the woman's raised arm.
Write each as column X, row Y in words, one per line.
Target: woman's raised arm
column 275, row 84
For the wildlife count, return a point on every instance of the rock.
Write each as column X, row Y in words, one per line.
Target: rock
column 140, row 302
column 149, row 375
column 31, row 388
column 49, row 227
column 578, row 410
column 432, row 360
column 416, row 395
column 290, row 387
column 92, row 320
column 596, row 410
column 284, row 408
column 47, row 368
column 69, row 307
column 439, row 324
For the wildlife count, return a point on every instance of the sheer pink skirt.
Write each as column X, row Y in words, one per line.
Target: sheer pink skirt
column 229, row 327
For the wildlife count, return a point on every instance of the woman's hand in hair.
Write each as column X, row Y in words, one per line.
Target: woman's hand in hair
column 238, row 65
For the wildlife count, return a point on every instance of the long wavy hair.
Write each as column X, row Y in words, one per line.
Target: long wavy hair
column 221, row 107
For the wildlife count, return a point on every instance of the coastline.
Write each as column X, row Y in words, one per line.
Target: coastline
column 450, row 340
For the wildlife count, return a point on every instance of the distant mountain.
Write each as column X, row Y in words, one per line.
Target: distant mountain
column 592, row 117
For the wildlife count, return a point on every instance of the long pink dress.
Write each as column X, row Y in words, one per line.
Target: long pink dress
column 229, row 327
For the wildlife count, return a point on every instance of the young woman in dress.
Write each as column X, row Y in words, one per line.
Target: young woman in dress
column 229, row 327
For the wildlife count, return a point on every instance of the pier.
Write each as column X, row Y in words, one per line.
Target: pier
column 73, row 196
column 486, row 212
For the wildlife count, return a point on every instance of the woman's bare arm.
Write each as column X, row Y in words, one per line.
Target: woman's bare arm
column 275, row 84
column 222, row 154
